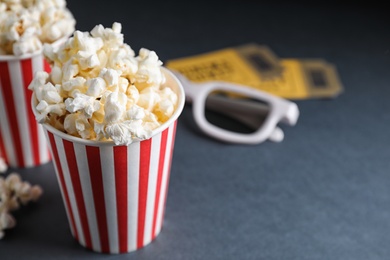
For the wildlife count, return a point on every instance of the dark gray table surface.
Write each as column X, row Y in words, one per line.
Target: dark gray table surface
column 323, row 193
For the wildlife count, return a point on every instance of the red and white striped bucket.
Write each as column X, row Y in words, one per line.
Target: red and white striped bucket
column 115, row 195
column 22, row 140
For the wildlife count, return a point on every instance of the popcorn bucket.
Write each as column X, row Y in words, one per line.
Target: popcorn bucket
column 22, row 140
column 114, row 195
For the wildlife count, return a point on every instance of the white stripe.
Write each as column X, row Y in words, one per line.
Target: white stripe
column 62, row 191
column 37, row 65
column 69, row 187
column 6, row 131
column 133, row 161
column 43, row 146
column 85, row 180
column 151, row 195
column 16, row 76
column 164, row 181
column 107, row 165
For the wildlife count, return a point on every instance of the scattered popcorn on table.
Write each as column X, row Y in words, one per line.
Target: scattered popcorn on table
column 26, row 24
column 99, row 90
column 13, row 193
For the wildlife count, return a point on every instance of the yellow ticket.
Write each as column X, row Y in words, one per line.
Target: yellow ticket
column 255, row 66
column 224, row 65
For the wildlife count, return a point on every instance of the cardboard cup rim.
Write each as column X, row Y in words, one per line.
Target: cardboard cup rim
column 21, row 57
column 165, row 125
column 11, row 57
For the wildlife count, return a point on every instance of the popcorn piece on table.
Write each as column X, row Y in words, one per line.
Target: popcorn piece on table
column 99, row 90
column 13, row 193
column 7, row 221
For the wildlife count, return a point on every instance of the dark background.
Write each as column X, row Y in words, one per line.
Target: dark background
column 323, row 193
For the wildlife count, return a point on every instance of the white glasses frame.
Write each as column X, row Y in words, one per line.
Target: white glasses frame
column 280, row 110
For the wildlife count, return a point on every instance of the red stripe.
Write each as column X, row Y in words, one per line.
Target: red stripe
column 3, row 152
column 27, row 72
column 10, row 107
column 169, row 170
column 94, row 164
column 74, row 175
column 46, row 66
column 145, row 147
column 163, row 146
column 120, row 165
column 49, row 155
column 62, row 183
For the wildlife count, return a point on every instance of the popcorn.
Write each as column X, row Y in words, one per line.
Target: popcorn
column 121, row 133
column 73, row 84
column 40, row 79
column 13, row 193
column 148, row 98
column 99, row 90
column 84, row 103
column 114, row 107
column 50, row 94
column 69, row 71
column 122, row 59
column 26, row 24
column 164, row 108
column 45, row 109
column 135, row 113
column 149, row 68
column 111, row 77
column 96, row 87
column 7, row 221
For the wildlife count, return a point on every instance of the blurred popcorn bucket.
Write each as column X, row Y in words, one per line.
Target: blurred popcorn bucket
column 115, row 196
column 22, row 140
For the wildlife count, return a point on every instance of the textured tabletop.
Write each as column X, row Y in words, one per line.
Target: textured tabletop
column 322, row 193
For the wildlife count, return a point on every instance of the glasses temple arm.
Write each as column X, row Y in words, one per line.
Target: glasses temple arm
column 277, row 135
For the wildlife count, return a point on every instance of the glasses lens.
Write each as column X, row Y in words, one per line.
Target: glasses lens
column 235, row 112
